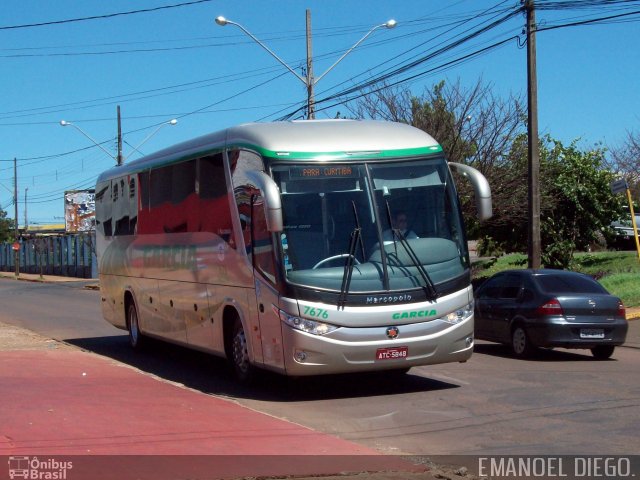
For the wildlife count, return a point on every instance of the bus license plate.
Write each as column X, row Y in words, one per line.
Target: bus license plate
column 591, row 333
column 392, row 353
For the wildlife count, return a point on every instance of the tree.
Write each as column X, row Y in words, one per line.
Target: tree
column 472, row 125
column 626, row 162
column 584, row 205
column 576, row 201
column 6, row 227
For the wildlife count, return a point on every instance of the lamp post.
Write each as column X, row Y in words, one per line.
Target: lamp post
column 64, row 123
column 309, row 81
column 172, row 122
column 119, row 159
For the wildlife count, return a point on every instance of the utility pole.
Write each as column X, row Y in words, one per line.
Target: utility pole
column 15, row 203
column 534, row 249
column 311, row 114
column 26, row 219
column 119, row 157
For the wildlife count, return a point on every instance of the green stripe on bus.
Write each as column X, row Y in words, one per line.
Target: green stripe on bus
column 284, row 155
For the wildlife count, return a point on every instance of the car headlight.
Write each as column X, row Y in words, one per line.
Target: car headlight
column 459, row 315
column 306, row 325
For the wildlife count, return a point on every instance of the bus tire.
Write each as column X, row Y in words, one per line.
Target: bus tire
column 136, row 338
column 242, row 367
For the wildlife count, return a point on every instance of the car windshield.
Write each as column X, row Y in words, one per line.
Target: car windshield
column 397, row 224
column 563, row 284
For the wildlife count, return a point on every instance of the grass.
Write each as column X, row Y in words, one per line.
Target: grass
column 618, row 272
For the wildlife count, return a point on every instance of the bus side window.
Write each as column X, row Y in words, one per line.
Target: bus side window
column 172, row 198
column 103, row 209
column 159, row 198
column 143, row 202
column 133, row 203
column 240, row 162
column 120, row 212
column 213, row 209
column 263, row 254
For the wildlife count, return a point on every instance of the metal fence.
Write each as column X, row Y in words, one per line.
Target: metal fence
column 65, row 255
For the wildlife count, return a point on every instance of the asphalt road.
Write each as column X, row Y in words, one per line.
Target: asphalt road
column 560, row 402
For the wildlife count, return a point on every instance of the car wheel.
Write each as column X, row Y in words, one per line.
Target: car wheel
column 136, row 339
column 602, row 352
column 520, row 344
column 240, row 354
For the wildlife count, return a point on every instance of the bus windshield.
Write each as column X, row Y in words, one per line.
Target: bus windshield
column 388, row 226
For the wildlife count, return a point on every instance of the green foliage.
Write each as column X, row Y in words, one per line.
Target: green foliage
column 576, row 204
column 6, row 227
column 624, row 285
column 584, row 205
column 484, row 269
column 488, row 247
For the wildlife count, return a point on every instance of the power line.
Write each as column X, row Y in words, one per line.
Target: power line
column 174, row 89
column 389, row 67
column 588, row 22
column 101, row 17
column 381, row 78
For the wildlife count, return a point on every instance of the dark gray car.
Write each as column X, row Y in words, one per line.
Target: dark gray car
column 549, row 308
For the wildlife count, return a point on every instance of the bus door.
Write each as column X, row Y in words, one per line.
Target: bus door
column 267, row 296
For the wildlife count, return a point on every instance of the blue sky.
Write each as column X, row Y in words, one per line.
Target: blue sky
column 177, row 63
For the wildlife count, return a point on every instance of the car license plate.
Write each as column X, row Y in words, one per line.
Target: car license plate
column 591, row 333
column 392, row 353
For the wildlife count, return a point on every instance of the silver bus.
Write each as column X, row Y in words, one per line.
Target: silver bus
column 304, row 247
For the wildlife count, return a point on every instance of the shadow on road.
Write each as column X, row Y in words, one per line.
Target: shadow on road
column 540, row 355
column 212, row 375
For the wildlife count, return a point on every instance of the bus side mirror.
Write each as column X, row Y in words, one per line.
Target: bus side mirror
column 480, row 187
column 272, row 200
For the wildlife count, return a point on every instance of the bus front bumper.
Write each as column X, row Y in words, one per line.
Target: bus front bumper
column 368, row 349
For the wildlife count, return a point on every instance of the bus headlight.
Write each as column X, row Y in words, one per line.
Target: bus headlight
column 305, row 325
column 459, row 315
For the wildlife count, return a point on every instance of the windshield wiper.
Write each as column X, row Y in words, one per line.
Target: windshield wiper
column 429, row 285
column 355, row 239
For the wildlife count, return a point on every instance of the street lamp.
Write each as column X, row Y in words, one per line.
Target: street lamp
column 64, row 123
column 309, row 81
column 118, row 158
column 172, row 122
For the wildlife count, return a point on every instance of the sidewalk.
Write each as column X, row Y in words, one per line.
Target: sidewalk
column 34, row 277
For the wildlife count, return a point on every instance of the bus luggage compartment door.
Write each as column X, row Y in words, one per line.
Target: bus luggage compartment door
column 270, row 327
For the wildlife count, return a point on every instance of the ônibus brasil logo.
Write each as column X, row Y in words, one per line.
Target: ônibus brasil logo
column 36, row 469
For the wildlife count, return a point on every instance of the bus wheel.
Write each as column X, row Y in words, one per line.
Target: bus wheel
column 136, row 339
column 240, row 354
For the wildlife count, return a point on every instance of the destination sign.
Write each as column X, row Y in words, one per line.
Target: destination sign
column 324, row 171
